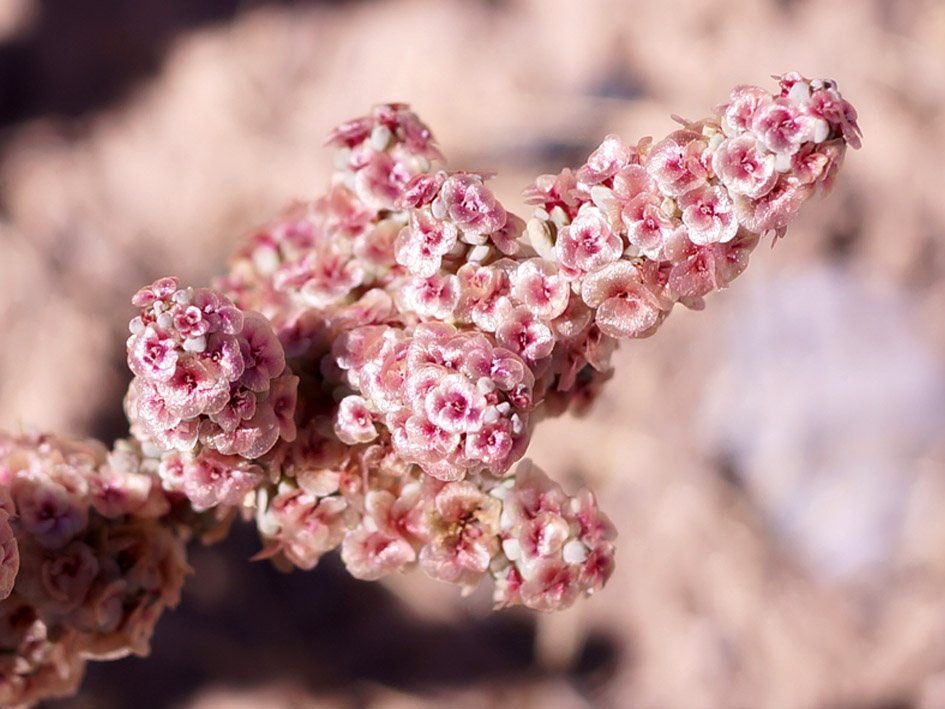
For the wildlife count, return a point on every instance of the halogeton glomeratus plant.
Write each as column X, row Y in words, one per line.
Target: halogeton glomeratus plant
column 368, row 373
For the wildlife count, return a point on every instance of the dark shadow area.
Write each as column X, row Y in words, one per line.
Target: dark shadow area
column 620, row 82
column 598, row 664
column 726, row 466
column 845, row 232
column 82, row 56
column 243, row 625
column 895, row 703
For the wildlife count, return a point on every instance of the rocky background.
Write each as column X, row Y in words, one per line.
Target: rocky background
column 775, row 464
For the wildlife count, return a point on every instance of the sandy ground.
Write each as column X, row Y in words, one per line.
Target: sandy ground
column 775, row 464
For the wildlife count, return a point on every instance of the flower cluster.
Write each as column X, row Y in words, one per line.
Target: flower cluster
column 686, row 211
column 554, row 547
column 450, row 401
column 442, row 327
column 90, row 561
column 210, row 384
column 543, row 548
column 368, row 374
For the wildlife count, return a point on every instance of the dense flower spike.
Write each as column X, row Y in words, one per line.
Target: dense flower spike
column 446, row 327
column 554, row 547
column 99, row 561
column 369, row 372
column 210, row 383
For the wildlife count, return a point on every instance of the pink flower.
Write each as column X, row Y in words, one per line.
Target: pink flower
column 382, row 379
column 305, row 527
column 744, row 103
column 425, row 442
column 420, row 247
column 381, row 181
column 775, row 209
column 589, row 242
column 375, row 306
column 390, row 123
column 384, row 542
column 783, row 126
column 508, row 371
column 597, row 568
column 159, row 290
column 172, row 471
column 483, row 294
column 194, row 389
column 552, row 585
column 66, row 578
column 743, row 168
column 353, row 349
column 537, row 284
column 251, row 438
column 573, row 322
column 544, row 535
column 212, row 479
column 632, row 181
column 464, row 524
column 223, row 357
column 466, row 352
column 608, row 159
column 369, row 554
column 827, row 103
column 48, row 512
column 676, row 162
column 594, row 525
column 434, row 296
column 525, row 334
column 218, row 310
column 470, row 204
column 351, row 133
column 182, row 436
column 492, row 443
column 115, row 492
column 533, row 492
column 817, row 164
column 709, row 215
column 342, row 212
column 189, row 321
column 421, row 380
column 241, row 406
column 421, row 190
column 647, row 225
column 506, row 238
column 152, row 355
column 379, row 545
column 354, row 423
column 455, row 404
column 323, row 276
column 698, row 270
column 315, row 448
column 625, row 307
column 559, row 190
column 263, row 356
column 373, row 250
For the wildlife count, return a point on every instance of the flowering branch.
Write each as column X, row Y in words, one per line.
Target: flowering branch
column 370, row 370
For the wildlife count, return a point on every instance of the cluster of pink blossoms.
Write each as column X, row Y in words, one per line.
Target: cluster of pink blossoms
column 432, row 328
column 210, row 384
column 90, row 559
column 369, row 372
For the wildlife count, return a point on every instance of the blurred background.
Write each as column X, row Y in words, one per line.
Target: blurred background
column 775, row 465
